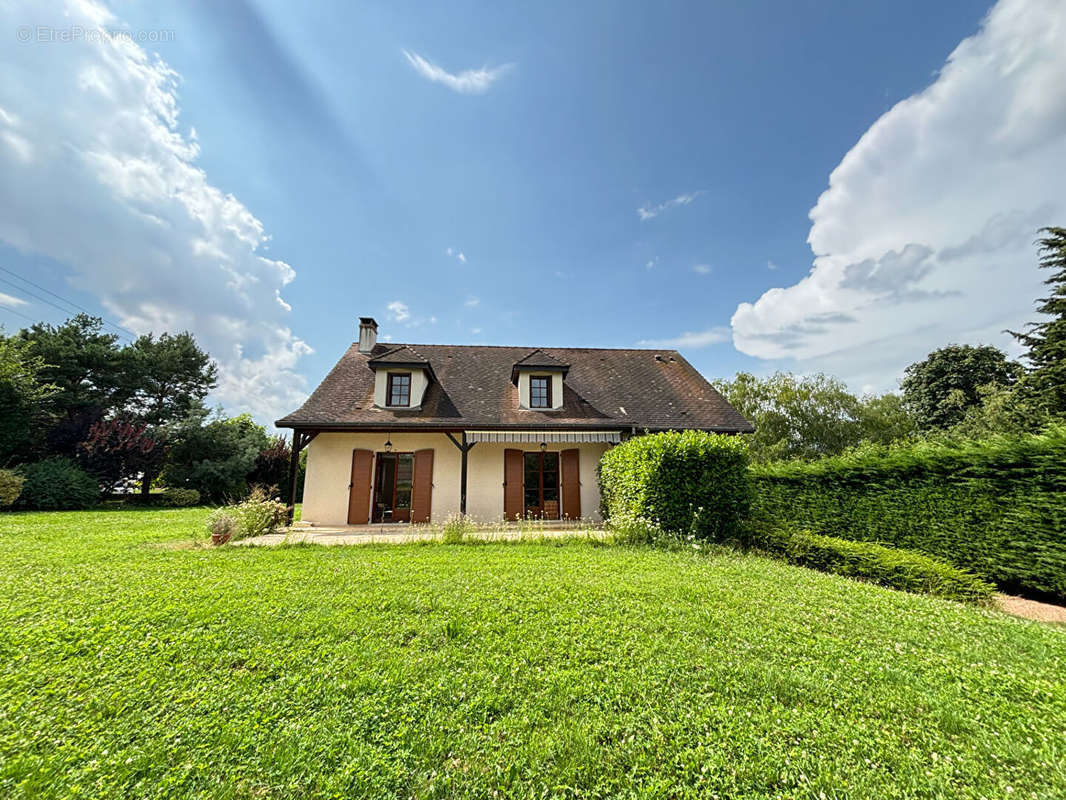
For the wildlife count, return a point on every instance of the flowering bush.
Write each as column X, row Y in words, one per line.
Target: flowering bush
column 259, row 514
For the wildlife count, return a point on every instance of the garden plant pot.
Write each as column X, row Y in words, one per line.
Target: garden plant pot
column 220, row 538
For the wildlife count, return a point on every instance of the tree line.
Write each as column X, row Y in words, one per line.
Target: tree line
column 131, row 416
column 957, row 391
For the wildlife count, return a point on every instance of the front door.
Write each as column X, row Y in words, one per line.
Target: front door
column 393, row 480
column 541, row 484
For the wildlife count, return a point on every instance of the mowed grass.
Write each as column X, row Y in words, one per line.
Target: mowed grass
column 131, row 667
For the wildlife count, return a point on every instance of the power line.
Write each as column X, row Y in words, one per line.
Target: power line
column 10, row 310
column 59, row 297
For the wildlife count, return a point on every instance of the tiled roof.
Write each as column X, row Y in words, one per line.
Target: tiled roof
column 604, row 389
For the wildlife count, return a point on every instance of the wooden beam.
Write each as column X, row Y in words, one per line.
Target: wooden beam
column 300, row 440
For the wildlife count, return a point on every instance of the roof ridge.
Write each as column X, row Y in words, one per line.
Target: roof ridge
column 543, row 349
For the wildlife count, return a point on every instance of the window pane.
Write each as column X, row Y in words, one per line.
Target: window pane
column 399, row 390
column 551, row 461
column 404, row 471
column 403, row 498
column 538, row 392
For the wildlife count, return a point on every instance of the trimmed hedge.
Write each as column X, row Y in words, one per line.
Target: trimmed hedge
column 995, row 506
column 55, row 484
column 885, row 566
column 10, row 487
column 689, row 482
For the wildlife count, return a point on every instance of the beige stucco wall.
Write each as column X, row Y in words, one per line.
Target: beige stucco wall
column 329, row 469
column 418, row 385
column 484, row 483
column 329, row 466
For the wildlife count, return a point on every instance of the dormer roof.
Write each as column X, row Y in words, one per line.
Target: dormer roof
column 538, row 360
column 400, row 355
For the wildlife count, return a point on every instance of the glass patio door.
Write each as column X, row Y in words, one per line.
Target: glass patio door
column 392, row 487
column 541, row 485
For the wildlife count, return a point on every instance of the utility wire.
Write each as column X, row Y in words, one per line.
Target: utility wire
column 58, row 297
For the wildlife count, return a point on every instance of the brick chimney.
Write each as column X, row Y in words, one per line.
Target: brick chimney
column 368, row 334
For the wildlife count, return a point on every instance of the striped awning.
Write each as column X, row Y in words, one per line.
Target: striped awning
column 535, row 437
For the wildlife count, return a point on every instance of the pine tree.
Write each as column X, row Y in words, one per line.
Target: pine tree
column 1046, row 341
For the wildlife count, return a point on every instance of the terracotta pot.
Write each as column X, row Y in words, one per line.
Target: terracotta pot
column 220, row 538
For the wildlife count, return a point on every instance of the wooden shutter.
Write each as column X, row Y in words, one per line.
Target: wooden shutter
column 571, row 485
column 422, row 491
column 512, row 484
column 359, row 488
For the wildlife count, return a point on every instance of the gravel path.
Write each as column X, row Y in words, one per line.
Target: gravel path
column 1031, row 609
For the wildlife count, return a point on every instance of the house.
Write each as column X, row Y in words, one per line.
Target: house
column 416, row 432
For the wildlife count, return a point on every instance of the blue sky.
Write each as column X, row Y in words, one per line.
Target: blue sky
column 615, row 175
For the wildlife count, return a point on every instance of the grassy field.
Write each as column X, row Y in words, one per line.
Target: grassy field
column 132, row 666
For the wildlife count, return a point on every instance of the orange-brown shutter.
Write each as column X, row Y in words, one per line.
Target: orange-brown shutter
column 422, row 491
column 571, row 485
column 512, row 484
column 359, row 488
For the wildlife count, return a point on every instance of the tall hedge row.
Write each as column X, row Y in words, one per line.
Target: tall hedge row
column 996, row 506
column 688, row 482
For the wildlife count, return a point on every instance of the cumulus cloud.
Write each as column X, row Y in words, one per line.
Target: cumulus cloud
column 100, row 177
column 693, row 339
column 652, row 211
column 456, row 254
column 398, row 312
column 925, row 234
column 470, row 81
column 701, row 269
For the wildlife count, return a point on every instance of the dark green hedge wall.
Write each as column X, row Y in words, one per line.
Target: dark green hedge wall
column 689, row 482
column 996, row 507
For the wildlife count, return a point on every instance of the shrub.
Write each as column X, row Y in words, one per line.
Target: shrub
column 258, row 515
column 456, row 528
column 688, row 483
column 57, row 483
column 885, row 566
column 10, row 487
column 993, row 506
column 179, row 498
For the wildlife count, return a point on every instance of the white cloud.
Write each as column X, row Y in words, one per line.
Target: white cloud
column 770, row 265
column 456, row 254
column 652, row 263
column 398, row 312
column 701, row 269
column 99, row 176
column 472, row 302
column 475, row 331
column 650, row 211
column 925, row 234
column 11, row 302
column 693, row 339
column 470, row 81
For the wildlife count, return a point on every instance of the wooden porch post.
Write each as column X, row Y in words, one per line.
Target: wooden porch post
column 300, row 440
column 464, row 448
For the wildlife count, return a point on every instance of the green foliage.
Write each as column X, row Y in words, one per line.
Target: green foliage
column 689, row 482
column 885, row 566
column 57, row 483
column 172, row 376
column 138, row 664
column 628, row 529
column 949, row 381
column 24, row 395
column 257, row 515
column 1045, row 341
column 179, row 498
column 214, row 458
column 83, row 362
column 10, row 487
column 118, row 450
column 457, row 528
column 993, row 506
column 811, row 416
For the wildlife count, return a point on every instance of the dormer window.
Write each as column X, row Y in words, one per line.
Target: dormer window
column 398, row 389
column 540, row 391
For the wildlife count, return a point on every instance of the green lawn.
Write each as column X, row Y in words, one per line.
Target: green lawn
column 131, row 667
